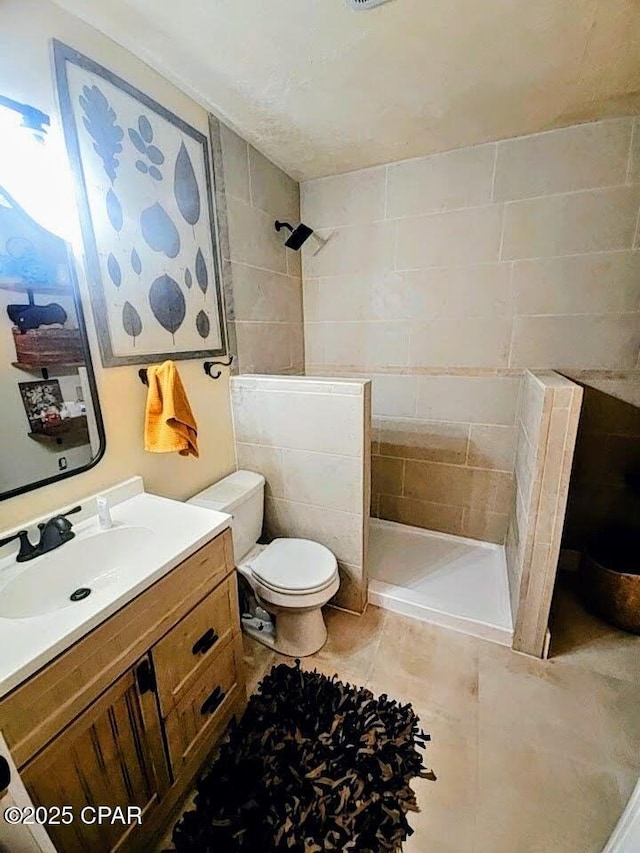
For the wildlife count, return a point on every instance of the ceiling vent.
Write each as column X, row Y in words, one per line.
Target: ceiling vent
column 366, row 4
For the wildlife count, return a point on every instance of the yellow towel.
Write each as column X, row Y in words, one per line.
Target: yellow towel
column 169, row 423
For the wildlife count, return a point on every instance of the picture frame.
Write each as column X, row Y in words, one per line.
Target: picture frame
column 40, row 398
column 145, row 193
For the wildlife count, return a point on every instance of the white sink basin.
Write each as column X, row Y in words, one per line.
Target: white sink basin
column 150, row 537
column 83, row 566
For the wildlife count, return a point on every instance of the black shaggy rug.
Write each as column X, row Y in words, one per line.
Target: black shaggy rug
column 314, row 765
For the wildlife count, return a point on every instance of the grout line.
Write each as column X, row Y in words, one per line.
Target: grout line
column 636, row 236
column 634, row 130
column 502, row 224
column 395, row 247
column 494, row 262
column 444, row 422
column 249, row 175
column 513, row 317
column 493, row 177
column 263, row 269
column 386, row 190
column 429, row 322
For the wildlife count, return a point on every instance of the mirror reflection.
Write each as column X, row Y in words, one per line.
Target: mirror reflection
column 51, row 425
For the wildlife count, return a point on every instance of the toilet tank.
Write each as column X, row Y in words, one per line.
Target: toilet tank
column 242, row 496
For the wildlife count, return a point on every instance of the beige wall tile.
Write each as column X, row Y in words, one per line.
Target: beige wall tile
column 341, row 532
column 322, row 479
column 492, row 446
column 581, row 284
column 296, row 341
column 482, row 290
column 573, row 158
column 356, row 197
column 453, row 485
column 485, row 525
column 314, row 343
column 376, row 295
column 457, row 237
column 387, row 475
column 455, row 179
column 591, row 221
column 252, row 237
column 267, row 347
column 247, row 415
column 394, row 395
column 235, row 163
column 294, row 262
column 307, row 421
column 266, row 461
column 272, row 190
column 533, row 403
column 429, row 440
column 353, row 249
column 367, row 345
column 504, row 493
column 471, row 399
column 548, row 507
column 261, row 295
column 431, row 516
column 311, row 300
column 460, row 342
column 352, row 594
column 602, row 341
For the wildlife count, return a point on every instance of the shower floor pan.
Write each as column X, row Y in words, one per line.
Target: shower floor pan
column 446, row 580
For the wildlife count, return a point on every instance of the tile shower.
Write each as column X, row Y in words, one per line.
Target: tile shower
column 450, row 282
column 446, row 280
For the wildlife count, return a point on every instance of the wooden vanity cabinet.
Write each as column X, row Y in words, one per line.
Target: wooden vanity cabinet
column 103, row 758
column 140, row 739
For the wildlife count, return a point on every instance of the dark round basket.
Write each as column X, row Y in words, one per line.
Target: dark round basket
column 611, row 578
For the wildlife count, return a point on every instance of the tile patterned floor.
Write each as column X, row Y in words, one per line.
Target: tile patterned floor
column 531, row 756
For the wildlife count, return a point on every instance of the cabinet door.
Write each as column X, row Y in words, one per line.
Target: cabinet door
column 107, row 757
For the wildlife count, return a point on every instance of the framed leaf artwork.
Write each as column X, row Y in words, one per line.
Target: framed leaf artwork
column 144, row 189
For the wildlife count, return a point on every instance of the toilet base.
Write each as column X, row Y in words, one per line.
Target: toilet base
column 298, row 633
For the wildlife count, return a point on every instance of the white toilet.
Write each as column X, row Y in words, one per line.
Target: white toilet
column 292, row 579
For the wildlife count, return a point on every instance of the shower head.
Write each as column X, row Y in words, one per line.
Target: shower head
column 298, row 235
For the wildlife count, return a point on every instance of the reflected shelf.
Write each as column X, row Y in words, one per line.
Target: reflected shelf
column 69, row 431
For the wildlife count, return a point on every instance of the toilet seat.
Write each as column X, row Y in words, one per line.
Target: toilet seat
column 294, row 567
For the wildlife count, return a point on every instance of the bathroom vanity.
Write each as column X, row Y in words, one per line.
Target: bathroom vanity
column 128, row 714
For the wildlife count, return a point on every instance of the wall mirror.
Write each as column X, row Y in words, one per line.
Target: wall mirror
column 50, row 424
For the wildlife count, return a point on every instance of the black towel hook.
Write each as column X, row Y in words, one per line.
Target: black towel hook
column 209, row 364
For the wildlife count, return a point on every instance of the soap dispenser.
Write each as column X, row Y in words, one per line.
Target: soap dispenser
column 104, row 513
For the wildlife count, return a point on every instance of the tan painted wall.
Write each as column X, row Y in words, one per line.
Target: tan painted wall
column 26, row 74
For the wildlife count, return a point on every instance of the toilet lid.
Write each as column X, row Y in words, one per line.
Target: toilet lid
column 295, row 566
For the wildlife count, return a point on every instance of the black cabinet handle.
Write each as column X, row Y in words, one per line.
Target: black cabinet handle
column 206, row 641
column 5, row 773
column 213, row 701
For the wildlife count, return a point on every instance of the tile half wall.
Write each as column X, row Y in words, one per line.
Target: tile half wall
column 310, row 439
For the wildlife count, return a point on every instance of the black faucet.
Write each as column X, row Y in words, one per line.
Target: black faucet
column 53, row 533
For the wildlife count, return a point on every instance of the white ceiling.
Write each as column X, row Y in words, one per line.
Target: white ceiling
column 321, row 88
